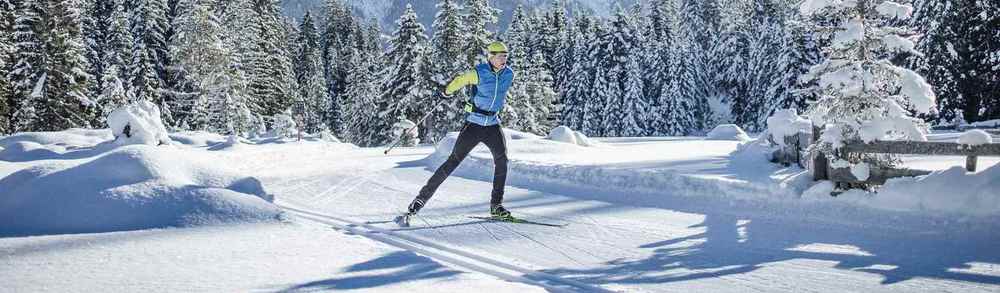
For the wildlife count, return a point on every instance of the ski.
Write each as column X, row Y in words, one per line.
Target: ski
column 517, row 221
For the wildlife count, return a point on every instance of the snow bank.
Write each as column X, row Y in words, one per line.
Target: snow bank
column 975, row 137
column 31, row 146
column 138, row 123
column 728, row 132
column 511, row 134
column 987, row 123
column 568, row 135
column 133, row 187
column 570, row 167
column 197, row 138
column 949, row 191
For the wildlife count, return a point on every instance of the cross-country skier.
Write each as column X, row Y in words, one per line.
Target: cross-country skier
column 490, row 82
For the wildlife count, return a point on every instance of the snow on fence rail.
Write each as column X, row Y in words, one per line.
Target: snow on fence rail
column 795, row 148
column 971, row 153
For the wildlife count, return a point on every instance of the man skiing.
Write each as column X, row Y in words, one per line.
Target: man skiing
column 490, row 82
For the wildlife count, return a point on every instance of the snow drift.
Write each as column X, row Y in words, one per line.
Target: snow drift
column 728, row 132
column 133, row 187
column 946, row 191
column 72, row 143
column 567, row 135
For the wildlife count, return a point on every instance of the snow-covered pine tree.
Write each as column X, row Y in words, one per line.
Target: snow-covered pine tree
column 479, row 18
column 956, row 45
column 235, row 16
column 578, row 86
column 554, row 32
column 519, row 113
column 864, row 96
column 449, row 60
column 406, row 92
column 200, row 51
column 798, row 52
column 7, row 18
column 623, row 102
column 314, row 101
column 363, row 86
column 594, row 103
column 990, row 16
column 751, row 52
column 540, row 90
column 678, row 108
column 147, row 24
column 658, row 53
column 699, row 33
column 272, row 81
column 50, row 75
column 984, row 43
column 110, row 50
column 29, row 60
column 338, row 42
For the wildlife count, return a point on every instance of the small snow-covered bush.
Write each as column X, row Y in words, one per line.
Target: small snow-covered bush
column 410, row 138
column 138, row 123
column 786, row 122
column 284, row 126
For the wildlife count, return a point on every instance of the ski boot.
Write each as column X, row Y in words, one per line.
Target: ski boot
column 499, row 212
column 404, row 219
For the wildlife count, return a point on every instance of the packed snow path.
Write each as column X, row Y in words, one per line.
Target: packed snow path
column 658, row 244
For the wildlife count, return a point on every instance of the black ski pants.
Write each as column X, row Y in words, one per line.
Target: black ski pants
column 470, row 136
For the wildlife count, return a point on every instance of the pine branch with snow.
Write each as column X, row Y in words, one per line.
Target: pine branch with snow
column 864, row 96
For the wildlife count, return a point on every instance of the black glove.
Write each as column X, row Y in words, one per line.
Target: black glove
column 446, row 96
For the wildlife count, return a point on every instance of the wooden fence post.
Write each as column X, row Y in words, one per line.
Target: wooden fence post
column 820, row 164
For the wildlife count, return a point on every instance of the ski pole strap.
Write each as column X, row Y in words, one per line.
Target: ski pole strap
column 471, row 107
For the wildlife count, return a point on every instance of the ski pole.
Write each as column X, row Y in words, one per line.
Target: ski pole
column 400, row 138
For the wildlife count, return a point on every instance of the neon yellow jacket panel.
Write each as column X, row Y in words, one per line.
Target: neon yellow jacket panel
column 466, row 78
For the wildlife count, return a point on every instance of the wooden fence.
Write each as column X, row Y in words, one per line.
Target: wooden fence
column 795, row 151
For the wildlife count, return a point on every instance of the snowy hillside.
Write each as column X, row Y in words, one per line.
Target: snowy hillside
column 641, row 214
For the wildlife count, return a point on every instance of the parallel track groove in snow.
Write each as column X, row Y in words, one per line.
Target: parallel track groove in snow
column 443, row 253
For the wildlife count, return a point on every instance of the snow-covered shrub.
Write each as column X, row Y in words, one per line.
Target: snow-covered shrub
column 727, row 132
column 864, row 97
column 138, row 123
column 410, row 138
column 284, row 126
column 786, row 122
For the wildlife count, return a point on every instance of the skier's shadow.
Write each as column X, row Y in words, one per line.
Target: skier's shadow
column 395, row 267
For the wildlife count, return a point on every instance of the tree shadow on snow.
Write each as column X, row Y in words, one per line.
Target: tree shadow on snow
column 396, row 267
column 730, row 246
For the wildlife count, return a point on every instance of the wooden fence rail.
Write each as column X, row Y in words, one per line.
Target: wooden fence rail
column 796, row 146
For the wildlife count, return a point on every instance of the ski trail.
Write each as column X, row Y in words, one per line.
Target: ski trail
column 464, row 259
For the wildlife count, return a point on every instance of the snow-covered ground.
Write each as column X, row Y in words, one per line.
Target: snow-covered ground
column 642, row 215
